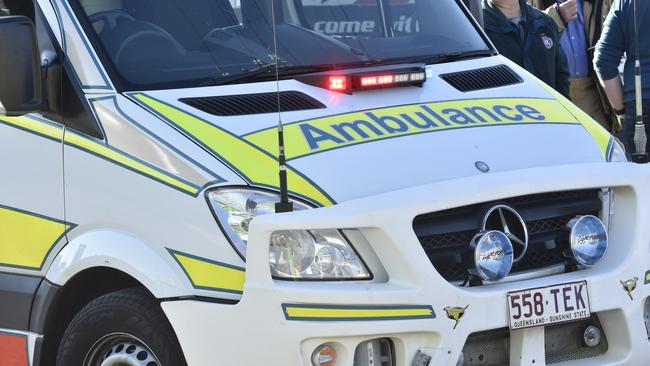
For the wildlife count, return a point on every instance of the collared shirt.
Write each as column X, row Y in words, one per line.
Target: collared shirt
column 520, row 25
column 574, row 44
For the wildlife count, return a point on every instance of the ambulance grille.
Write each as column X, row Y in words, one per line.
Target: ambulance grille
column 246, row 104
column 484, row 78
column 488, row 348
column 445, row 235
column 564, row 342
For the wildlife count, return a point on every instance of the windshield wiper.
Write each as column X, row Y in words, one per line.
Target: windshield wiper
column 443, row 57
column 266, row 72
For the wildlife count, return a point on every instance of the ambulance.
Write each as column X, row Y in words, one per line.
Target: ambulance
column 304, row 182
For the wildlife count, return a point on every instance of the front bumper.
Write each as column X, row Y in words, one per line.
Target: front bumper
column 258, row 330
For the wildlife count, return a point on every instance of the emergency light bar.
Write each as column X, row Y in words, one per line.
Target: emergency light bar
column 349, row 81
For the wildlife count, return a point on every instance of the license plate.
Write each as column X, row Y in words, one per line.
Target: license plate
column 548, row 305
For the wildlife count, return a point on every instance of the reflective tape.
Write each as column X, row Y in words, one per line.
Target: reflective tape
column 102, row 150
column 256, row 166
column 356, row 313
column 206, row 274
column 601, row 136
column 53, row 131
column 332, row 132
column 27, row 238
column 13, row 349
column 38, row 126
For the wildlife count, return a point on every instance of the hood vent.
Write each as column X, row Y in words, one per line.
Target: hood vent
column 244, row 104
column 485, row 78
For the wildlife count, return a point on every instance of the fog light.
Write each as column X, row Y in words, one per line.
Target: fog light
column 646, row 316
column 592, row 336
column 492, row 255
column 325, row 355
column 588, row 239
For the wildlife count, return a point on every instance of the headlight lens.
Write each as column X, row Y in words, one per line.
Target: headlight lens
column 493, row 255
column 588, row 239
column 315, row 255
column 236, row 207
column 616, row 153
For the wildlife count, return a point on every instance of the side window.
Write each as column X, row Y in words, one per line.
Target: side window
column 17, row 7
column 75, row 111
column 64, row 99
column 4, row 10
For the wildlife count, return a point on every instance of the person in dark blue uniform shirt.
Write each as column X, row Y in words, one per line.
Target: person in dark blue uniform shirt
column 529, row 38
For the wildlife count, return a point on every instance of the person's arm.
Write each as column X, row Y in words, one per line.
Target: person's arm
column 614, row 90
column 609, row 51
column 561, row 13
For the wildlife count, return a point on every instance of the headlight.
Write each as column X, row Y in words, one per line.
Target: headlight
column 616, row 153
column 492, row 255
column 314, row 255
column 588, row 239
column 236, row 207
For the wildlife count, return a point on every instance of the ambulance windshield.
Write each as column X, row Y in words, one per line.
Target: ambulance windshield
column 155, row 44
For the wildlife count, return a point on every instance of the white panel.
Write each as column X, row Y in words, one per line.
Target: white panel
column 31, row 172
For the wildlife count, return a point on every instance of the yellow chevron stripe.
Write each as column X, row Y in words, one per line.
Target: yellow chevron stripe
column 210, row 275
column 27, row 238
column 252, row 163
column 324, row 312
column 331, row 132
column 601, row 136
column 121, row 158
column 53, row 131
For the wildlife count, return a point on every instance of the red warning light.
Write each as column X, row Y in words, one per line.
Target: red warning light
column 368, row 81
column 338, row 83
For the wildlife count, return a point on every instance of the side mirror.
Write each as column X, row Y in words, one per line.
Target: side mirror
column 20, row 67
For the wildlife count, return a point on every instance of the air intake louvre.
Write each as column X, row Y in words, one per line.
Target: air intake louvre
column 244, row 104
column 485, row 78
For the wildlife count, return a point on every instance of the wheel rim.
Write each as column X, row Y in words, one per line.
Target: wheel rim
column 120, row 349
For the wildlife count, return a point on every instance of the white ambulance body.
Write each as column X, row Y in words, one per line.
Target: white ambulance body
column 449, row 208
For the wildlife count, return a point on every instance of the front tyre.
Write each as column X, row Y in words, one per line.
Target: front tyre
column 125, row 327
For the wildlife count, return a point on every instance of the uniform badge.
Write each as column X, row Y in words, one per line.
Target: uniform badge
column 629, row 286
column 548, row 41
column 455, row 313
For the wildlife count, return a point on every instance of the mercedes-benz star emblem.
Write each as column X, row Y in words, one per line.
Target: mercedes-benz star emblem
column 507, row 220
column 482, row 166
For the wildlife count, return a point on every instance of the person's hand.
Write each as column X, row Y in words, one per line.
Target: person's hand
column 569, row 10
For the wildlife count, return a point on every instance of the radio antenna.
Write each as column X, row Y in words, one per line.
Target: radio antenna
column 284, row 205
column 640, row 138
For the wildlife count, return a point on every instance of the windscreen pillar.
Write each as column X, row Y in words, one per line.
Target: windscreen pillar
column 476, row 9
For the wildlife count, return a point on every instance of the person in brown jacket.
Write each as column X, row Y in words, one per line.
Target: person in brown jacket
column 581, row 22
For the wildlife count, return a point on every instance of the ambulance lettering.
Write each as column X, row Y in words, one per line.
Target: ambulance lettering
column 424, row 118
